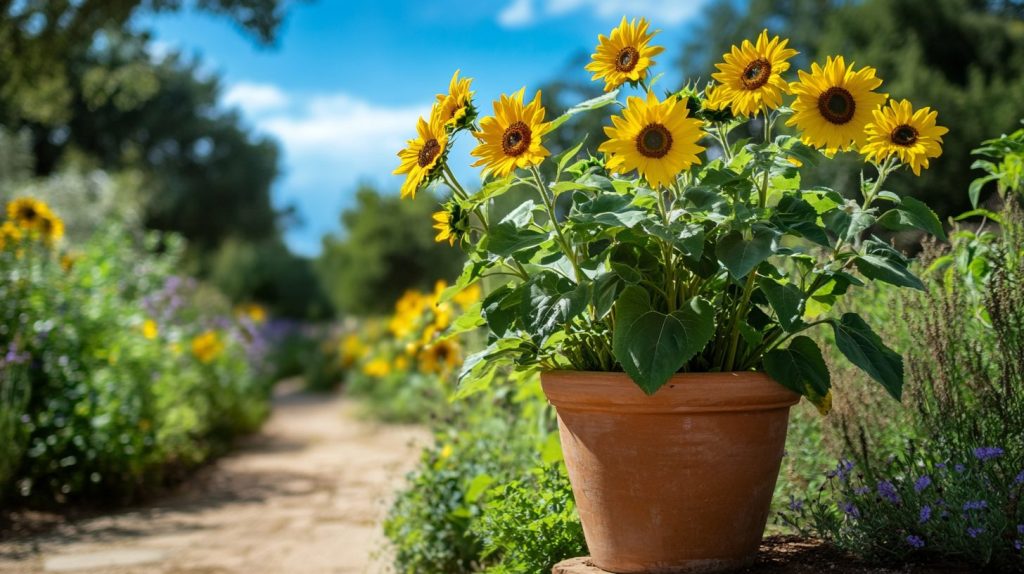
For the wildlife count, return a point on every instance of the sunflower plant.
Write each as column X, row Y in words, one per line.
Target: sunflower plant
column 689, row 242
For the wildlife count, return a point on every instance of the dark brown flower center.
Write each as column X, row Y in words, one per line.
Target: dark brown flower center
column 28, row 214
column 756, row 74
column 428, row 152
column 516, row 139
column 904, row 135
column 837, row 105
column 654, row 141
column 627, row 59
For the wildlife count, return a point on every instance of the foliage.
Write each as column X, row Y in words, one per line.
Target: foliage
column 532, row 524
column 391, row 244
column 964, row 56
column 444, row 522
column 943, row 478
column 717, row 264
column 121, row 373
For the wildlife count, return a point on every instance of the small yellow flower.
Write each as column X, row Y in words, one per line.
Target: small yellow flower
column 27, row 212
column 455, row 108
column 446, row 451
column 252, row 311
column 625, row 55
column 207, row 346
column 467, row 296
column 750, row 77
column 377, row 368
column 423, row 156
column 833, row 105
column 657, row 139
column 401, row 363
column 149, row 329
column 351, row 350
column 511, row 138
column 912, row 136
column 440, row 358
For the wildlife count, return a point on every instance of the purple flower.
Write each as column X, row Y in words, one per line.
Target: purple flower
column 887, row 491
column 861, row 490
column 915, row 541
column 974, row 532
column 1020, row 478
column 984, row 453
column 922, row 483
column 940, row 465
column 1020, row 529
column 850, row 509
column 926, row 514
column 1017, row 545
column 794, row 504
column 960, row 468
column 976, row 505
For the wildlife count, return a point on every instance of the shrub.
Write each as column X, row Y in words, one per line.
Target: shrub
column 131, row 372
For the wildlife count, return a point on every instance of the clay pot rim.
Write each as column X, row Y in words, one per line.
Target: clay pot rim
column 615, row 392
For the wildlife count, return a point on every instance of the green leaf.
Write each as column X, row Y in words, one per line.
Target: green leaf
column 786, row 300
column 506, row 239
column 862, row 347
column 605, row 290
column 608, row 210
column 501, row 308
column 740, row 256
column 471, row 271
column 913, row 214
column 478, row 486
column 849, row 226
column 651, row 345
column 974, row 190
column 800, row 367
column 887, row 269
column 566, row 156
column 470, row 320
column 551, row 302
column 796, row 215
column 591, row 104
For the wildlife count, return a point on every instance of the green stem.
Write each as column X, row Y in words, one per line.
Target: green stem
column 549, row 205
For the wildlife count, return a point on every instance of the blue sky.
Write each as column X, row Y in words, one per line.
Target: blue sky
column 343, row 86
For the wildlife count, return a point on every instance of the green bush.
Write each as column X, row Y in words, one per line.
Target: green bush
column 131, row 372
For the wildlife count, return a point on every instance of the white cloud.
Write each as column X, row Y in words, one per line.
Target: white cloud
column 255, row 99
column 518, row 13
column 330, row 143
column 661, row 12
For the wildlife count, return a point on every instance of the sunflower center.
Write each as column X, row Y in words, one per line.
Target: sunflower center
column 654, row 141
column 28, row 214
column 904, row 135
column 516, row 139
column 756, row 74
column 837, row 105
column 428, row 152
column 627, row 59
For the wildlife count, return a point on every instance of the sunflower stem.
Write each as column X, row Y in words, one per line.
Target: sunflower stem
column 549, row 204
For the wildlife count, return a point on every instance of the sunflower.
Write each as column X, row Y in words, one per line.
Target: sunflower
column 441, row 357
column 423, row 156
column 625, row 56
column 658, row 139
column 899, row 131
column 27, row 213
column 456, row 107
column 511, row 138
column 207, row 347
column 833, row 104
column 10, row 234
column 451, row 223
column 51, row 228
column 750, row 78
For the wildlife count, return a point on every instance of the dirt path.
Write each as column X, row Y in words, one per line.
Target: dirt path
column 306, row 495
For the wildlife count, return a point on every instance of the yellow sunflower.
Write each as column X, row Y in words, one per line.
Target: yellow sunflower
column 511, row 138
column 207, row 346
column 440, row 357
column 456, row 107
column 51, row 228
column 833, row 104
column 750, row 78
column 422, row 156
column 10, row 234
column 451, row 223
column 910, row 135
column 27, row 213
column 625, row 55
column 658, row 139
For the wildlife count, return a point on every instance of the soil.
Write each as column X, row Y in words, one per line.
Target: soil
column 307, row 494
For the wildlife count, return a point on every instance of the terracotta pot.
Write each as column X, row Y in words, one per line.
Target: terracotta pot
column 680, row 481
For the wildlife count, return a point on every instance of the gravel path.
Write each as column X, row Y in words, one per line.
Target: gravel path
column 305, row 495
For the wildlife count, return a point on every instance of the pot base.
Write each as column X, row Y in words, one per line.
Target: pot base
column 584, row 565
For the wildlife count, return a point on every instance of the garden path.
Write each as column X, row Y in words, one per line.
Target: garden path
column 307, row 494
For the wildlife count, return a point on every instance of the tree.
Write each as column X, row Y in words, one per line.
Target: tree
column 387, row 247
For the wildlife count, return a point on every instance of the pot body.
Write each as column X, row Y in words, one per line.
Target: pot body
column 680, row 481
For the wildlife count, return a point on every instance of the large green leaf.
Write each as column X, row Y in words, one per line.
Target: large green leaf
column 887, row 269
column 786, row 301
column 740, row 256
column 864, row 348
column 507, row 239
column 551, row 302
column 797, row 216
column 913, row 214
column 651, row 345
column 800, row 367
column 501, row 308
column 591, row 104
